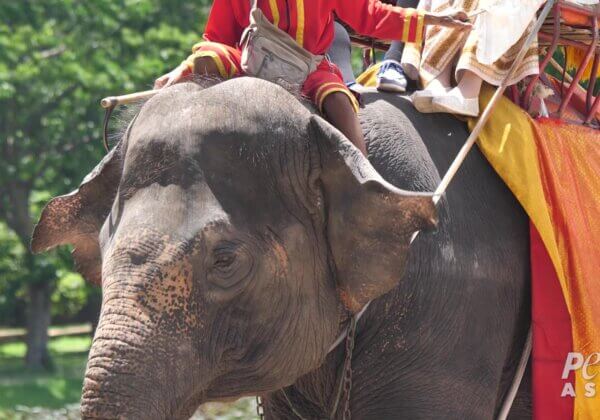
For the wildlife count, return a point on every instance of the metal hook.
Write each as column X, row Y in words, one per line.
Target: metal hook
column 107, row 115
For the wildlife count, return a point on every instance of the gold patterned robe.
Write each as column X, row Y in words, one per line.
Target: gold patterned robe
column 450, row 47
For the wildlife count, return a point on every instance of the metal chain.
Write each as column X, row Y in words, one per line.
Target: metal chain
column 260, row 408
column 345, row 383
column 345, row 388
column 348, row 367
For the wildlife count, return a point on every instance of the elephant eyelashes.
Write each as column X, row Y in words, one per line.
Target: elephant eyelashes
column 229, row 266
column 224, row 261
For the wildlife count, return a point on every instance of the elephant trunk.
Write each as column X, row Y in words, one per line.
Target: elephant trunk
column 118, row 380
column 138, row 366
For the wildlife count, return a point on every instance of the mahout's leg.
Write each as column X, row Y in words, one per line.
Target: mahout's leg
column 340, row 112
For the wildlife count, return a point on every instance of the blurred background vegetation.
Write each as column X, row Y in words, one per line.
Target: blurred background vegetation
column 57, row 59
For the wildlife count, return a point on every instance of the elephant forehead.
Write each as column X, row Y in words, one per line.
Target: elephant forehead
column 248, row 157
column 159, row 160
column 183, row 211
column 188, row 155
column 172, row 188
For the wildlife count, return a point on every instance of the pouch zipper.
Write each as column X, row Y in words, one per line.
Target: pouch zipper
column 270, row 54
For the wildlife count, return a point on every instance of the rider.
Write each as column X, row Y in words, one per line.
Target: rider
column 311, row 24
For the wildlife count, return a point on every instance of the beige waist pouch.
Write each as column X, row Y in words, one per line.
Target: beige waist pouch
column 271, row 54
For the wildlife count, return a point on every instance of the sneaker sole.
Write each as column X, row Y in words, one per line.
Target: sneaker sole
column 455, row 111
column 424, row 104
column 389, row 87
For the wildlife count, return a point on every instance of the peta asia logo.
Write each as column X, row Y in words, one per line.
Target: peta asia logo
column 574, row 362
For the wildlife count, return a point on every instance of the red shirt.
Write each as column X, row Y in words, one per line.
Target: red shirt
column 310, row 22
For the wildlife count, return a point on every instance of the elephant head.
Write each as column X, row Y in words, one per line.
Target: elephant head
column 230, row 230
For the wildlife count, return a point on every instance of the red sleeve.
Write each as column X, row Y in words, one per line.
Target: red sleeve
column 222, row 25
column 383, row 21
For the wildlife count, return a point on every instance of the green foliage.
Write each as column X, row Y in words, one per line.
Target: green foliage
column 57, row 59
column 70, row 294
column 69, row 297
column 11, row 276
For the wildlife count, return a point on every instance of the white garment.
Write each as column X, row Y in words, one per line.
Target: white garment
column 501, row 26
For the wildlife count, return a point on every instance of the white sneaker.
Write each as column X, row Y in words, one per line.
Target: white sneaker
column 391, row 78
column 454, row 103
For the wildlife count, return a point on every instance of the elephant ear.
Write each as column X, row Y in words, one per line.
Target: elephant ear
column 370, row 222
column 77, row 218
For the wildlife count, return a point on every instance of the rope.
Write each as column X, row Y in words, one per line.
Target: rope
column 514, row 387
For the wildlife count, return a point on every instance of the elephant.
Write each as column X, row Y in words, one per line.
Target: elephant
column 234, row 232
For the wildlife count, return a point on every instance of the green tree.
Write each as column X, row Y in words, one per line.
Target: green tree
column 57, row 58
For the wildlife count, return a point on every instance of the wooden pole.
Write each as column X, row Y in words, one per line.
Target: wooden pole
column 113, row 101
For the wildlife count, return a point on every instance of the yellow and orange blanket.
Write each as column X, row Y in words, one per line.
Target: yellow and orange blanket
column 553, row 169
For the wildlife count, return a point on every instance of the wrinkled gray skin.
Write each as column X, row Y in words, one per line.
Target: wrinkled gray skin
column 244, row 226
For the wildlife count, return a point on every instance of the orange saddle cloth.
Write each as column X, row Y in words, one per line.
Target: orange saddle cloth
column 553, row 169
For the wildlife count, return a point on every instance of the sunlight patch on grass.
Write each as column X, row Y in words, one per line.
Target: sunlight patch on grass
column 51, row 389
column 59, row 345
column 16, row 349
column 66, row 345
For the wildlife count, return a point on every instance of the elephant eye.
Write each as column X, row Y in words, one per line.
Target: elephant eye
column 224, row 260
column 230, row 265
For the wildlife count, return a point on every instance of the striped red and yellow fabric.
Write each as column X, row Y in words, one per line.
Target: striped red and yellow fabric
column 311, row 23
column 226, row 58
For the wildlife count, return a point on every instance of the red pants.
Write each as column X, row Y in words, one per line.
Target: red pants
column 325, row 80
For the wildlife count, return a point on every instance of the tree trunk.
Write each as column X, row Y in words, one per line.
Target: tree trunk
column 18, row 218
column 38, row 321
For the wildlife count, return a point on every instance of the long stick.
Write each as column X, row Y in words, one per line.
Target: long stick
column 113, row 101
